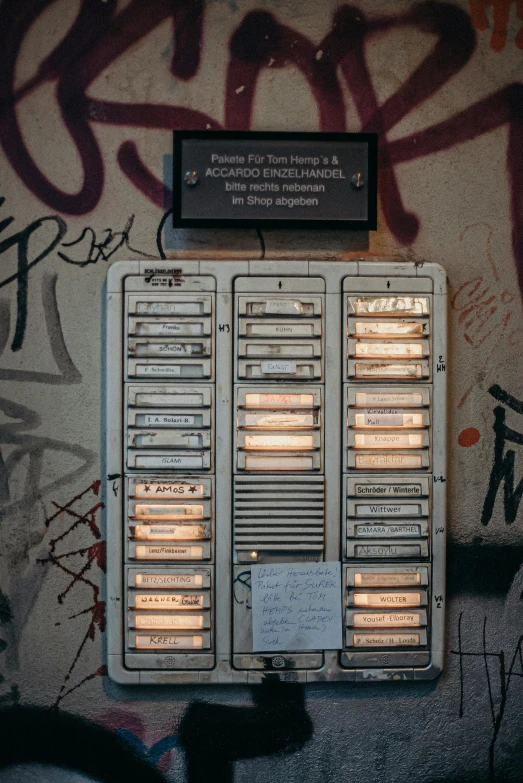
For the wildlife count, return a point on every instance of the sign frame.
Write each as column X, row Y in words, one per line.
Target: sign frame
column 371, row 185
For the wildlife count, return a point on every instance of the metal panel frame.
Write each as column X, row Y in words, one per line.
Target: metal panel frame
column 426, row 278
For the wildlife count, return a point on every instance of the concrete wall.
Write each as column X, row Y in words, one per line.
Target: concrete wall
column 89, row 94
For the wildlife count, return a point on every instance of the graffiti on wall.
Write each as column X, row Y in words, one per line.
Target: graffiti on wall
column 82, row 566
column 99, row 36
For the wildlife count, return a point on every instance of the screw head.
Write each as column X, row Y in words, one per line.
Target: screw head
column 278, row 661
column 358, row 181
column 191, row 178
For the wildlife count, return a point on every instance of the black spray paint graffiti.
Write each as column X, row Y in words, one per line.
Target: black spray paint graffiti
column 214, row 736
column 504, row 461
column 12, row 695
column 35, row 450
column 48, row 234
column 498, row 681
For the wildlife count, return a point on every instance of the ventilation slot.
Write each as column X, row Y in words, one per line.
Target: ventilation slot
column 273, row 515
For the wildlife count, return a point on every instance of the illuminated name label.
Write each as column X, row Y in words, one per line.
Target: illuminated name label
column 388, row 489
column 388, row 440
column 169, row 532
column 386, row 640
column 279, row 400
column 391, row 305
column 182, row 621
column 395, row 329
column 168, row 580
column 387, row 599
column 384, row 580
column 389, row 370
column 278, row 463
column 167, row 642
column 169, row 490
column 398, row 461
column 170, row 511
column 400, row 510
column 388, row 417
column 163, row 601
column 279, row 442
column 387, row 531
column 169, row 552
column 281, row 368
column 280, row 421
column 400, row 399
column 389, row 349
column 392, row 620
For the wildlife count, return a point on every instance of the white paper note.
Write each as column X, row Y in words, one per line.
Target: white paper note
column 296, row 606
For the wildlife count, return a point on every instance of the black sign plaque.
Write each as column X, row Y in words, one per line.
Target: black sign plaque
column 250, row 179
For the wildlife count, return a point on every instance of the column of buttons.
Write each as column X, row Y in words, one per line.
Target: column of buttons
column 387, row 518
column 169, row 610
column 169, row 520
column 386, row 607
column 169, row 336
column 388, row 428
column 169, row 427
column 279, row 337
column 278, row 429
column 388, row 337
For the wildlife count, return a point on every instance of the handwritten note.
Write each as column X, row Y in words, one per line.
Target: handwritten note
column 296, row 606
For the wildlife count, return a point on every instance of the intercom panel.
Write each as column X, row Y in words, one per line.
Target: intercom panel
column 274, row 413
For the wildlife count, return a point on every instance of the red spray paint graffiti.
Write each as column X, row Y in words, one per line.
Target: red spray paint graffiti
column 100, row 36
column 77, row 564
column 500, row 20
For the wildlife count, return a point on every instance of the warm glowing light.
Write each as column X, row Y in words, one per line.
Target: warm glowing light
column 391, row 305
column 387, row 599
column 388, row 370
column 388, row 440
column 386, row 640
column 168, row 511
column 280, row 421
column 169, row 532
column 403, row 350
column 394, row 399
column 167, row 642
column 392, row 620
column 183, row 622
column 168, row 601
column 394, row 329
column 279, row 400
column 157, row 581
column 169, row 552
column 388, row 418
column 279, row 442
column 278, row 463
column 168, row 490
column 386, row 580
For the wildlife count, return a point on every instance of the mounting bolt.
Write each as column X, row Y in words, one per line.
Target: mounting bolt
column 358, row 181
column 191, row 178
column 278, row 662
